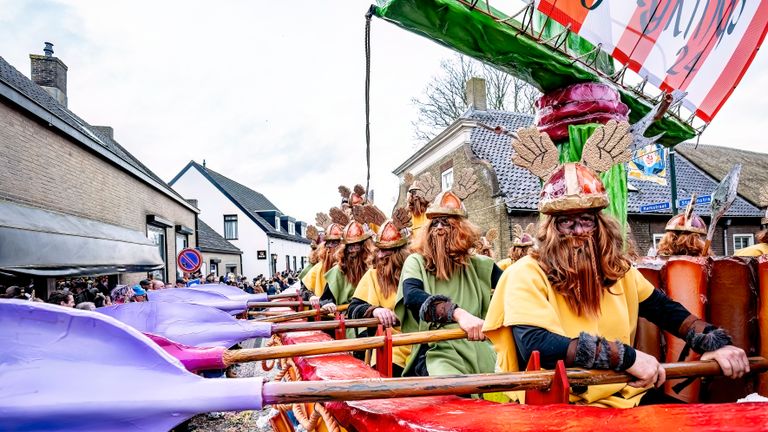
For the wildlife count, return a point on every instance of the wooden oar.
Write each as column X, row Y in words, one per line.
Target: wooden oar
column 314, row 391
column 282, row 296
column 724, row 195
column 323, row 325
column 336, row 346
column 252, row 305
column 297, row 315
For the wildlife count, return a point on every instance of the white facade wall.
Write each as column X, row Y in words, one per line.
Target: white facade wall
column 213, row 205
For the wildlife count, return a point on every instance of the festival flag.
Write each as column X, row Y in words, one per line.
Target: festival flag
column 702, row 48
column 649, row 163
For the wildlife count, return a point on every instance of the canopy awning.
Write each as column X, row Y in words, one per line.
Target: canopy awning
column 43, row 243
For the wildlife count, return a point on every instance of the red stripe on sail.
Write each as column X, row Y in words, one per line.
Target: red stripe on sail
column 703, row 40
column 739, row 63
column 566, row 12
column 641, row 33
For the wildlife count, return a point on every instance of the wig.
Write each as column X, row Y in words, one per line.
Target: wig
column 354, row 265
column 681, row 243
column 388, row 270
column 517, row 252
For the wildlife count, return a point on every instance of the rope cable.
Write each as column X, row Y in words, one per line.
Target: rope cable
column 368, row 16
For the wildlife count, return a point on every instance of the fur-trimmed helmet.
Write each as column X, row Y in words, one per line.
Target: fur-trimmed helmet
column 334, row 232
column 390, row 237
column 688, row 221
column 355, row 232
column 572, row 187
column 446, row 203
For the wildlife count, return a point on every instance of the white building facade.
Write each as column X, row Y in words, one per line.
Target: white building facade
column 269, row 240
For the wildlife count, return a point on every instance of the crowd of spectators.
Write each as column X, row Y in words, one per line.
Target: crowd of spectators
column 91, row 293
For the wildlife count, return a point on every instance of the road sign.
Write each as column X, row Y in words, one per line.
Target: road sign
column 189, row 260
column 654, row 207
column 704, row 199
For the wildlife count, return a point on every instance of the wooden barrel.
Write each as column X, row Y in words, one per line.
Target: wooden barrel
column 762, row 318
column 732, row 305
column 648, row 335
column 685, row 279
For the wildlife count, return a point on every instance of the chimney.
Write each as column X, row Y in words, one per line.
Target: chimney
column 50, row 73
column 106, row 131
column 476, row 96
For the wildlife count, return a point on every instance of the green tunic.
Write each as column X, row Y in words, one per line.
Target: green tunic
column 341, row 289
column 470, row 289
column 304, row 271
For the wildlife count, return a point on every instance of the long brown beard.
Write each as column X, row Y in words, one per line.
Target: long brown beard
column 354, row 267
column 417, row 205
column 447, row 249
column 329, row 259
column 582, row 268
column 388, row 270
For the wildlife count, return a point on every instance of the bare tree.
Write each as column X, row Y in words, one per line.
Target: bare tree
column 444, row 98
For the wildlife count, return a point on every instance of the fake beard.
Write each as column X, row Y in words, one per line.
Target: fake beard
column 416, row 205
column 444, row 258
column 388, row 270
column 354, row 266
column 581, row 285
column 329, row 260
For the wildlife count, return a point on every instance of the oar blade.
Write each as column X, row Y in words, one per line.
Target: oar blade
column 231, row 292
column 189, row 324
column 204, row 298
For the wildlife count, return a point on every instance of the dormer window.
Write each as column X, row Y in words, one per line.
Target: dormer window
column 277, row 223
column 291, row 229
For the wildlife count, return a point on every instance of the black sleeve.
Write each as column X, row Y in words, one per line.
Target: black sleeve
column 327, row 296
column 553, row 347
column 359, row 309
column 495, row 276
column 305, row 293
column 414, row 295
column 663, row 311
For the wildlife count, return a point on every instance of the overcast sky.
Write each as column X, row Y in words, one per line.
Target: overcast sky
column 269, row 94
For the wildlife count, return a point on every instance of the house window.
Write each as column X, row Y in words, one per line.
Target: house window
column 447, row 179
column 277, row 223
column 740, row 241
column 230, row 227
column 157, row 236
column 294, row 263
column 291, row 229
column 181, row 244
column 287, row 262
column 232, row 268
column 656, row 240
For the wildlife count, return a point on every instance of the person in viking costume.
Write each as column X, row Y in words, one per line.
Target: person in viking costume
column 353, row 259
column 484, row 245
column 761, row 247
column 376, row 292
column 316, row 242
column 576, row 297
column 685, row 234
column 314, row 281
column 421, row 191
column 445, row 284
column 522, row 241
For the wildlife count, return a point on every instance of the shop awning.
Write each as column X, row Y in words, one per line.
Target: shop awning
column 43, row 243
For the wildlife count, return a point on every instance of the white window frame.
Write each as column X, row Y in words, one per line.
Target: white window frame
column 277, row 223
column 750, row 240
column 231, row 219
column 291, row 228
column 446, row 179
column 657, row 239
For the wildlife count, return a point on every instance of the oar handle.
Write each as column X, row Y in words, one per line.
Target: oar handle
column 323, row 325
column 277, row 304
column 282, row 296
column 383, row 388
column 336, row 346
column 290, row 316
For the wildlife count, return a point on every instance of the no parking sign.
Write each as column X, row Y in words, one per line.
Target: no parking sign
column 189, row 260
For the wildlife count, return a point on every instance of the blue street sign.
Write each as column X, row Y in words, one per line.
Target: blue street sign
column 654, row 207
column 704, row 199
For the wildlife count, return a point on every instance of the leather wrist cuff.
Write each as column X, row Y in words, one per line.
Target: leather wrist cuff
column 437, row 309
column 593, row 352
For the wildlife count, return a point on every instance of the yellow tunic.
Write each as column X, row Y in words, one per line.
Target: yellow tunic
column 418, row 222
column 368, row 291
column 754, row 250
column 315, row 279
column 503, row 264
column 525, row 297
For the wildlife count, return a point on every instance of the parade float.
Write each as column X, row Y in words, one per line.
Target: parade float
column 143, row 381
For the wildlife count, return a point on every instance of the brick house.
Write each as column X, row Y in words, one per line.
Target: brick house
column 510, row 194
column 270, row 240
column 73, row 201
